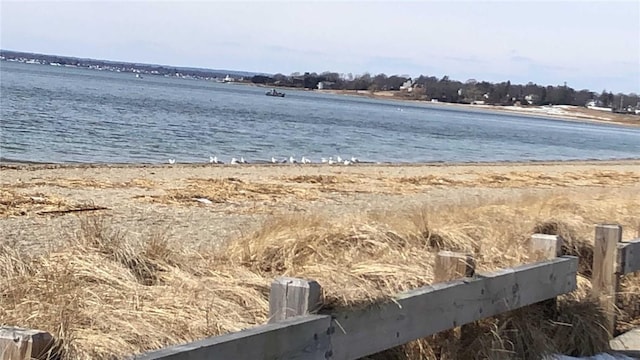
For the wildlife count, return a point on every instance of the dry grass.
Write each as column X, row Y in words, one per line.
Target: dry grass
column 104, row 295
column 14, row 203
column 517, row 179
column 107, row 295
column 322, row 179
column 232, row 189
column 75, row 183
column 513, row 179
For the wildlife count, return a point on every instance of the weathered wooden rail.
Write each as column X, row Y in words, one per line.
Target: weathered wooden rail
column 412, row 315
column 460, row 296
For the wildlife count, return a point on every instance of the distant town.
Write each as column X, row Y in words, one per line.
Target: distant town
column 124, row 67
column 425, row 88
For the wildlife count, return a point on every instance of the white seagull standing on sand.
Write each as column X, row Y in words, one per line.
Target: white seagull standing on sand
column 234, row 161
column 214, row 160
column 242, row 160
column 172, row 161
column 304, row 160
column 292, row 160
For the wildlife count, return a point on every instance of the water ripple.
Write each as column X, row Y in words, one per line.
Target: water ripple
column 57, row 114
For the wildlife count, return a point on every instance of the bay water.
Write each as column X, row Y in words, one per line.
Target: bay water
column 69, row 115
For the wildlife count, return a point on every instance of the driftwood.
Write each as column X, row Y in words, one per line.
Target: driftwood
column 92, row 208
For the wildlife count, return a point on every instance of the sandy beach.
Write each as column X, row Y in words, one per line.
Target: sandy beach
column 168, row 254
column 212, row 203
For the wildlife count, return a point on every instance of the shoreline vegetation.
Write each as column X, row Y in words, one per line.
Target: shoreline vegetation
column 184, row 252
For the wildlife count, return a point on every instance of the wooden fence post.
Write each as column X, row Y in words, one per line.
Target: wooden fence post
column 541, row 247
column 451, row 266
column 605, row 280
column 291, row 297
column 546, row 247
column 25, row 344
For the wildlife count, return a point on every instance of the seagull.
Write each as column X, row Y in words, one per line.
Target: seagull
column 338, row 158
column 242, row 160
column 292, row 160
column 347, row 162
column 172, row 161
column 354, row 159
column 273, row 160
column 304, row 160
column 234, row 161
column 323, row 160
column 214, row 160
column 331, row 161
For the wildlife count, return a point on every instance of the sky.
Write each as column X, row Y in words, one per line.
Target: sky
column 591, row 45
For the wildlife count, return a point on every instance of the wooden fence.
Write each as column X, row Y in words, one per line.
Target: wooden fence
column 460, row 296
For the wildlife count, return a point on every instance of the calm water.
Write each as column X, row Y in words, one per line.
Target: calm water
column 54, row 114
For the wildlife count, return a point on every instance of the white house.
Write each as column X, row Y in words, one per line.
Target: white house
column 407, row 85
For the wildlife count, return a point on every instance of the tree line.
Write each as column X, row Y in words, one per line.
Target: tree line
column 447, row 90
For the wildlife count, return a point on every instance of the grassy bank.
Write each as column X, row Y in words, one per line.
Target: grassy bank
column 106, row 292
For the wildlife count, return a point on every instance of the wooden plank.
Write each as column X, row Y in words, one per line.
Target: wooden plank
column 605, row 280
column 25, row 344
column 628, row 257
column 304, row 337
column 291, row 297
column 431, row 309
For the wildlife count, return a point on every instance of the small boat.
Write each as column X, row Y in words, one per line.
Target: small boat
column 273, row 92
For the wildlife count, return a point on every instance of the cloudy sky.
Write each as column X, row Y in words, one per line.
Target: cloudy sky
column 588, row 44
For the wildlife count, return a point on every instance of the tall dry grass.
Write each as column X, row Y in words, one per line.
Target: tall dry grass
column 106, row 295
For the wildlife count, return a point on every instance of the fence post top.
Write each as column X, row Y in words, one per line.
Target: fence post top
column 295, row 282
column 610, row 226
column 453, row 253
column 545, row 236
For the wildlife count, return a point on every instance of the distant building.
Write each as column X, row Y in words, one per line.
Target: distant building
column 531, row 98
column 325, row 85
column 596, row 105
column 407, row 85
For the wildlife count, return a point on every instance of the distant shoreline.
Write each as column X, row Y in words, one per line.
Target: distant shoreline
column 560, row 112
